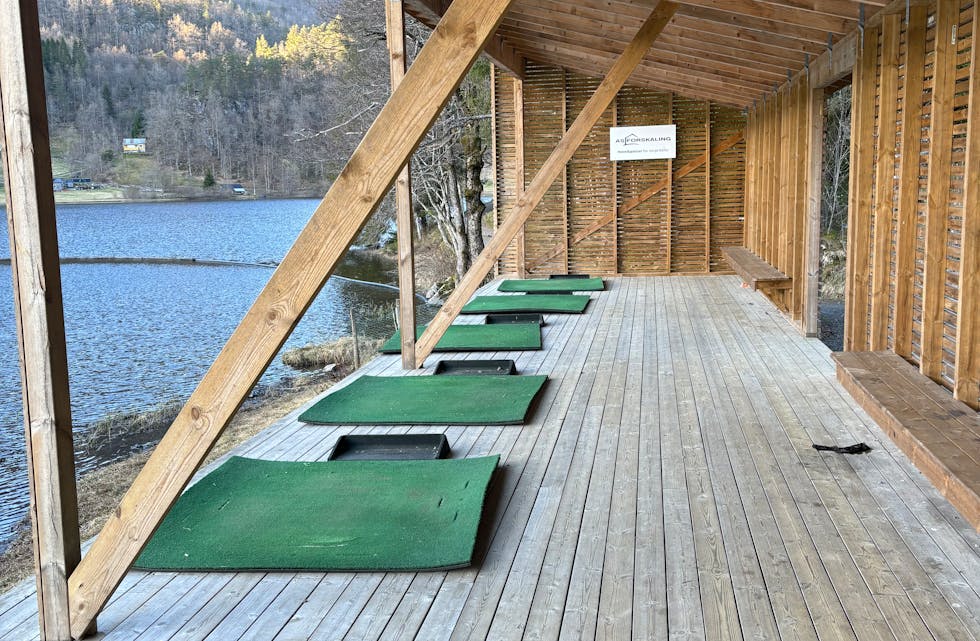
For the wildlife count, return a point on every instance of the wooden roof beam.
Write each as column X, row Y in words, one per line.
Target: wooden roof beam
column 500, row 52
column 847, row 9
column 742, row 55
column 707, row 76
column 766, row 26
column 737, row 67
column 749, row 35
column 686, row 84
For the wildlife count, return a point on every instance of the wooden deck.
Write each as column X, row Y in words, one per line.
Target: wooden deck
column 666, row 488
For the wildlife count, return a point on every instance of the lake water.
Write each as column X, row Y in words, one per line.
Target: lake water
column 141, row 334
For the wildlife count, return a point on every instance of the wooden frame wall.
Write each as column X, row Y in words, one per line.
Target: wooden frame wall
column 913, row 228
column 637, row 217
column 778, row 183
column 912, row 260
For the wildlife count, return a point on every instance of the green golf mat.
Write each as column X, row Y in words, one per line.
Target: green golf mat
column 478, row 338
column 339, row 515
column 428, row 400
column 545, row 303
column 561, row 286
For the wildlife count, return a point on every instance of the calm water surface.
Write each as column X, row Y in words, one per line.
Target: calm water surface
column 141, row 334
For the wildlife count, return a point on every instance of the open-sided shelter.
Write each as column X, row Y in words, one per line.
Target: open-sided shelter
column 743, row 81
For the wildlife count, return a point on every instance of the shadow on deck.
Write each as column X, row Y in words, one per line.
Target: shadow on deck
column 665, row 487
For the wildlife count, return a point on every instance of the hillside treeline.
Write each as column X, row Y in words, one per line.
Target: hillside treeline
column 216, row 88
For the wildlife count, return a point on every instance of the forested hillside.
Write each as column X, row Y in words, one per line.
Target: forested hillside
column 241, row 92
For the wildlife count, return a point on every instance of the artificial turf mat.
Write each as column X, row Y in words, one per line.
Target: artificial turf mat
column 339, row 515
column 548, row 285
column 546, row 303
column 428, row 400
column 478, row 338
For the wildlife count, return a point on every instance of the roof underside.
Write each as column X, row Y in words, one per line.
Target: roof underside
column 729, row 51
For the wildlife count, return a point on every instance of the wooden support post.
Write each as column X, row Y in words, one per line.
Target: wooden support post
column 937, row 190
column 370, row 173
column 966, row 385
column 860, row 190
column 800, row 196
column 550, row 170
column 39, row 315
column 493, row 155
column 669, row 205
column 707, row 187
column 748, row 188
column 884, row 207
column 908, row 178
column 614, row 206
column 395, row 29
column 519, row 177
column 566, row 227
column 814, row 188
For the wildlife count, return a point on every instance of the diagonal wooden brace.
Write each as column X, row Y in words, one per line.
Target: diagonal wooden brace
column 552, row 167
column 397, row 131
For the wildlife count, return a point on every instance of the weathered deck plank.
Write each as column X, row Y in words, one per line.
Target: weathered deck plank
column 665, row 487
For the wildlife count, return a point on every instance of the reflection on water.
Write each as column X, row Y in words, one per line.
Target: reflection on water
column 141, row 334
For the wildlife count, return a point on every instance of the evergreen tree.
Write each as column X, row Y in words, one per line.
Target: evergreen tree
column 110, row 105
column 138, row 130
column 209, row 179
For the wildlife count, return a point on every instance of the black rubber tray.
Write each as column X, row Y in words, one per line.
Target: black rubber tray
column 514, row 319
column 567, row 276
column 390, row 447
column 502, row 367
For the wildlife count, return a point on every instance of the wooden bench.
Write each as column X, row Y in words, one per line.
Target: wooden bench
column 938, row 433
column 754, row 271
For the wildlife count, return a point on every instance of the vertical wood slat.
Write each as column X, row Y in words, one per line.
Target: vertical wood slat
column 937, row 191
column 669, row 219
column 814, row 188
column 494, row 155
column 603, row 96
column 519, row 177
column 441, row 64
column 614, row 201
column 707, row 187
column 783, row 218
column 39, row 315
column 908, row 178
column 967, row 373
column 800, row 205
column 566, row 224
column 859, row 199
column 884, row 184
column 395, row 30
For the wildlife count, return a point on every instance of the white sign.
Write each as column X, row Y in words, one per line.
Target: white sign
column 643, row 143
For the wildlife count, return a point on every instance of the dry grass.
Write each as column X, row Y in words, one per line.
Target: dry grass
column 833, row 269
column 339, row 352
column 100, row 490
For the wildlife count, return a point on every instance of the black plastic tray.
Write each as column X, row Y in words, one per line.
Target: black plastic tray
column 567, row 276
column 514, row 319
column 502, row 367
column 390, row 447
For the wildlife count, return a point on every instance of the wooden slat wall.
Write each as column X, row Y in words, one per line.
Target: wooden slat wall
column 908, row 209
column 578, row 227
column 645, row 226
column 776, row 196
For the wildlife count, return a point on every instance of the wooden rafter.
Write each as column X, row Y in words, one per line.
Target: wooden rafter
column 500, row 52
column 372, row 169
column 549, row 171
